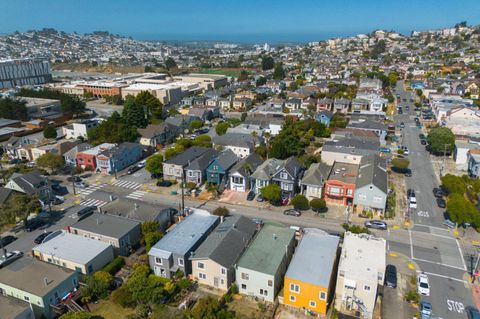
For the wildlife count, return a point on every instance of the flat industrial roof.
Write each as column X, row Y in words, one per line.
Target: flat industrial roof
column 73, row 248
column 112, row 226
column 11, row 308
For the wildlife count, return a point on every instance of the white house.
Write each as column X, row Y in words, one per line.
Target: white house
column 79, row 129
column 241, row 172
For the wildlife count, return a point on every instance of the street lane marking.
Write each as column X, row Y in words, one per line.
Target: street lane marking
column 411, row 266
column 438, row 263
column 455, row 232
column 455, row 306
column 442, row 276
column 411, row 243
column 392, row 254
column 461, row 254
column 396, row 227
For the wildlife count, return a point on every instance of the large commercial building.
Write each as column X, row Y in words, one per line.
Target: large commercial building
column 20, row 72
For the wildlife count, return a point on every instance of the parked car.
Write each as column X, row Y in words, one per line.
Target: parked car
column 377, row 224
column 402, row 125
column 75, row 179
column 133, row 169
column 41, row 237
column 4, row 241
column 292, row 212
column 164, row 184
column 156, row 175
column 10, row 257
column 257, row 221
column 438, row 192
column 391, row 276
column 425, row 310
column 413, row 202
column 423, row 142
column 85, row 212
column 384, row 150
column 410, row 193
column 472, row 313
column 142, row 163
column 250, row 195
column 33, row 224
column 449, row 223
column 284, row 201
column 408, row 172
column 260, row 198
column 423, row 284
column 441, row 203
column 80, row 184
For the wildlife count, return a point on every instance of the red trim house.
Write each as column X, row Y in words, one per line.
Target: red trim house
column 88, row 158
column 340, row 185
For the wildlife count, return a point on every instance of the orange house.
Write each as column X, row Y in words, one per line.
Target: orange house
column 310, row 278
column 340, row 184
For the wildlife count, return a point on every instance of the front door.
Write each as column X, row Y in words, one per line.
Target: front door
column 215, row 281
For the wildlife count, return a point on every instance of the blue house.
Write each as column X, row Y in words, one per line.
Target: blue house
column 217, row 170
column 118, row 157
column 324, row 117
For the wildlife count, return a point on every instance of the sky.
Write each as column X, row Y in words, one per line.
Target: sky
column 236, row 20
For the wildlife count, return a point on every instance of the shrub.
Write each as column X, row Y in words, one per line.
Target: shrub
column 318, row 204
column 123, row 297
column 355, row 229
column 114, row 266
column 412, row 296
column 234, row 288
column 221, row 211
column 299, row 201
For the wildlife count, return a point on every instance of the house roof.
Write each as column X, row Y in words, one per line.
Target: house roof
column 316, row 174
column 78, row 249
column 344, row 172
column 29, row 182
column 136, row 210
column 368, row 125
column 76, row 149
column 227, row 242
column 29, row 274
column 153, row 130
column 326, row 113
column 11, row 308
column 292, row 166
column 313, row 265
column 248, row 165
column 201, row 162
column 107, row 225
column 185, row 235
column 361, row 146
column 226, row 159
column 373, row 170
column 187, row 156
column 235, row 139
column 5, row 193
column 267, row 169
column 266, row 252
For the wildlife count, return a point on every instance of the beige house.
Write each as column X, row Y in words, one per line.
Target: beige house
column 213, row 261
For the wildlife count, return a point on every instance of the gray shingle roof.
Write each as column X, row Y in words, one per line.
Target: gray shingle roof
column 360, row 146
column 266, row 170
column 316, row 174
column 201, row 162
column 187, row 156
column 29, row 182
column 107, row 225
column 250, row 162
column 368, row 125
column 227, row 242
column 235, row 139
column 293, row 166
column 373, row 171
column 227, row 159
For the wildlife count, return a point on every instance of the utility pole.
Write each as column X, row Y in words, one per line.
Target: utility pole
column 73, row 183
column 183, row 192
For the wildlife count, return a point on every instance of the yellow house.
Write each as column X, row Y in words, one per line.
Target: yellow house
column 310, row 278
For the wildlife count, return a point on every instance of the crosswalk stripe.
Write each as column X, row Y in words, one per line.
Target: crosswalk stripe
column 136, row 195
column 126, row 184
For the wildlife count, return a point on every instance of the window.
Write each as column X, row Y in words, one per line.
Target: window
column 362, row 196
column 224, row 271
column 377, row 199
column 202, row 276
column 294, row 288
column 49, row 260
column 283, row 175
column 180, row 261
column 200, row 265
column 341, row 273
column 244, row 276
column 349, row 191
column 293, row 298
column 26, row 298
column 244, row 287
column 366, row 288
column 222, row 282
column 312, row 304
column 158, row 261
column 323, row 295
column 270, row 283
column 263, row 292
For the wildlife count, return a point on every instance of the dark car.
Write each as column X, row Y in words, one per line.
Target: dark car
column 75, row 179
column 472, row 313
column 423, row 142
column 408, row 172
column 292, row 212
column 156, row 175
column 391, row 276
column 33, row 224
column 41, row 237
column 422, row 136
column 164, row 184
column 410, row 193
column 441, row 203
column 10, row 257
column 7, row 240
column 377, row 224
column 438, row 192
column 133, row 169
column 250, row 195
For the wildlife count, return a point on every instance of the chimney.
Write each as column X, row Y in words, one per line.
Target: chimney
column 221, row 219
column 45, row 281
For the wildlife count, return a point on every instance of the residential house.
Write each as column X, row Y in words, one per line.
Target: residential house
column 203, row 114
column 118, row 158
column 379, row 128
column 11, row 308
column 288, row 176
column 241, row 172
column 120, row 232
column 172, row 253
column 180, row 122
column 314, row 179
column 173, row 168
column 242, row 145
column 360, row 104
column 264, row 173
column 371, row 186
column 196, row 171
column 213, row 262
column 325, row 104
column 340, row 184
column 324, row 117
column 460, row 153
column 311, row 275
column 40, row 284
column 348, row 150
column 70, row 157
column 473, row 158
column 260, row 270
column 224, row 103
column 80, row 129
column 87, row 159
column 341, row 106
column 473, row 88
column 82, row 254
column 293, row 104
column 219, row 168
column 241, row 104
column 31, row 184
column 361, row 273
column 155, row 135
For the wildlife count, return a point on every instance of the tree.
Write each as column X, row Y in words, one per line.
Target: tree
column 133, row 113
column 243, row 116
column 453, row 184
column 151, row 239
column 392, row 78
column 221, row 128
column 70, row 105
column 441, row 139
column 271, row 192
column 378, row 49
column 170, row 63
column 13, row 109
column 400, row 164
column 195, row 124
column 221, row 211
column 460, row 210
column 77, row 315
column 210, row 308
column 150, row 226
column 261, row 81
column 50, row 131
column 243, row 76
column 203, row 141
column 148, row 69
column 154, row 164
column 151, row 103
column 21, row 207
column 278, row 72
column 299, row 201
column 97, row 286
column 113, row 130
column 267, row 63
column 318, row 205
column 50, row 161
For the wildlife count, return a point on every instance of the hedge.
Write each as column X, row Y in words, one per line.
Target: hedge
column 114, row 266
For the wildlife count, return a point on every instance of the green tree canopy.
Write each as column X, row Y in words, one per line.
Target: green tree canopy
column 170, row 63
column 278, row 72
column 50, row 131
column 221, row 128
column 113, row 130
column 271, row 192
column 151, row 103
column 453, row 184
column 299, row 201
column 196, row 124
column 318, row 204
column 210, row 308
column 78, row 315
column 97, row 286
column 21, row 206
column 133, row 113
column 441, row 139
column 460, row 210
column 13, row 109
column 400, row 163
column 50, row 161
column 154, row 164
column 267, row 63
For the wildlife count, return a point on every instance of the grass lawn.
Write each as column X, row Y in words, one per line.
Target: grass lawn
column 109, row 310
column 226, row 72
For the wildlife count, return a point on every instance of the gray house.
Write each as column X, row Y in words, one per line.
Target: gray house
column 122, row 233
column 213, row 262
column 241, row 172
column 263, row 174
column 313, row 180
column 288, row 176
column 196, row 171
column 371, row 185
column 377, row 127
column 32, row 184
column 173, row 168
column 158, row 134
column 172, row 253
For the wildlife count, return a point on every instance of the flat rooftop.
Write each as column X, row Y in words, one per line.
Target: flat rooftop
column 78, row 249
column 11, row 308
column 344, row 172
column 28, row 274
column 312, row 264
column 107, row 225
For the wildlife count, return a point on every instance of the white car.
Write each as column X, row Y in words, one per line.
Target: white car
column 9, row 257
column 423, row 285
column 80, row 185
column 142, row 164
column 413, row 202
